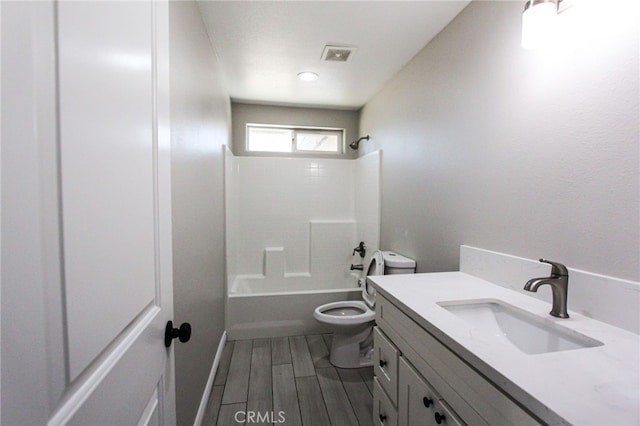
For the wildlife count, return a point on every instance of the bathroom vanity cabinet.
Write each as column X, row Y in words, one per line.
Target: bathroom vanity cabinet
column 430, row 363
column 418, row 380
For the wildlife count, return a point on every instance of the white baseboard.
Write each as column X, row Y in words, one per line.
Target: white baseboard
column 212, row 375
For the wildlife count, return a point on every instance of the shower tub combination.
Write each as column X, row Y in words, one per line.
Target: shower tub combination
column 289, row 246
column 257, row 307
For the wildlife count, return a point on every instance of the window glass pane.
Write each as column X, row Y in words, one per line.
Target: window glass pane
column 317, row 141
column 294, row 140
column 269, row 139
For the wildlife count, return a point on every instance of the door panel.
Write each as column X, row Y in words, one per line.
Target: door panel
column 90, row 284
column 116, row 399
column 106, row 148
column 151, row 414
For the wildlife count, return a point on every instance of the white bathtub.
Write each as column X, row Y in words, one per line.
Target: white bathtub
column 257, row 307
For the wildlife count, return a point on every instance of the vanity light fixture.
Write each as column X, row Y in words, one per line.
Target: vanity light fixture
column 539, row 20
column 308, row 76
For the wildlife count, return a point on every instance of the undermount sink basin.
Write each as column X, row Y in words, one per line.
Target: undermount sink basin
column 528, row 332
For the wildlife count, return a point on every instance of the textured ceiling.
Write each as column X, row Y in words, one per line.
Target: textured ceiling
column 263, row 45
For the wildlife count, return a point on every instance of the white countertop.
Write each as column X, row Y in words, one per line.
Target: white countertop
column 587, row 386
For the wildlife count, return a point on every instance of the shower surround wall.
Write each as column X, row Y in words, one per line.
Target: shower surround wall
column 292, row 224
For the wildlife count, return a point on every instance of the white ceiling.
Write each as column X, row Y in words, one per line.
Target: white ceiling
column 263, row 45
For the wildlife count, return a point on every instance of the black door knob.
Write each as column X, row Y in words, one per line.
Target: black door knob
column 183, row 333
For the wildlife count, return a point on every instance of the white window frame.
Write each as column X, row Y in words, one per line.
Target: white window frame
column 340, row 132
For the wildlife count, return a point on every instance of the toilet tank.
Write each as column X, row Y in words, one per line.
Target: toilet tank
column 395, row 263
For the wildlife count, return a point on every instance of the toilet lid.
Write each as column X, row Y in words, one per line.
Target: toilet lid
column 376, row 267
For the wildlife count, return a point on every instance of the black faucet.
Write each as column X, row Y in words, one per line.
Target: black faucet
column 559, row 282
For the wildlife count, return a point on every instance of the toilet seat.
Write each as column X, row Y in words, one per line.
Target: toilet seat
column 376, row 267
column 376, row 264
column 341, row 313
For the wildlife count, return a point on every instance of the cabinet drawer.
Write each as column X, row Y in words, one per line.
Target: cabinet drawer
column 384, row 413
column 385, row 364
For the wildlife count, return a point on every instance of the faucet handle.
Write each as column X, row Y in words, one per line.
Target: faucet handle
column 557, row 269
column 360, row 249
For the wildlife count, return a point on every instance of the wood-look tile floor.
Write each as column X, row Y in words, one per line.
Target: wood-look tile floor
column 289, row 381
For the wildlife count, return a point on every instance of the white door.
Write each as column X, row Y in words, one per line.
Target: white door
column 86, row 221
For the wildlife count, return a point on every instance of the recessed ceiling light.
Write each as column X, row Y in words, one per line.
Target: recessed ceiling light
column 308, row 76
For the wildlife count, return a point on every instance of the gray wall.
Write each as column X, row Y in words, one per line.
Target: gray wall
column 200, row 125
column 533, row 154
column 296, row 116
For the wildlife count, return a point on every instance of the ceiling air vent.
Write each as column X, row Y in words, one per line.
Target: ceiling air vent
column 337, row 53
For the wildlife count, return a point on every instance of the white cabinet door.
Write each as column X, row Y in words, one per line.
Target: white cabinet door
column 416, row 399
column 419, row 403
column 90, row 172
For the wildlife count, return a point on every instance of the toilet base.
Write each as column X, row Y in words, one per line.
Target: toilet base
column 352, row 350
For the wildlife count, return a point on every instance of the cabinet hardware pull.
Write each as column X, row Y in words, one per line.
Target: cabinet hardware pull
column 427, row 402
column 383, row 418
column 439, row 417
column 383, row 363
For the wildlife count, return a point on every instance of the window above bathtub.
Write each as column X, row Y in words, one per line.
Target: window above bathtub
column 294, row 139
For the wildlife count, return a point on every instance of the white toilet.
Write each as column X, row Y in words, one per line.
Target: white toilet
column 352, row 321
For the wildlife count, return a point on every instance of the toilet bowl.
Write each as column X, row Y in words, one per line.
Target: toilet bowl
column 352, row 321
